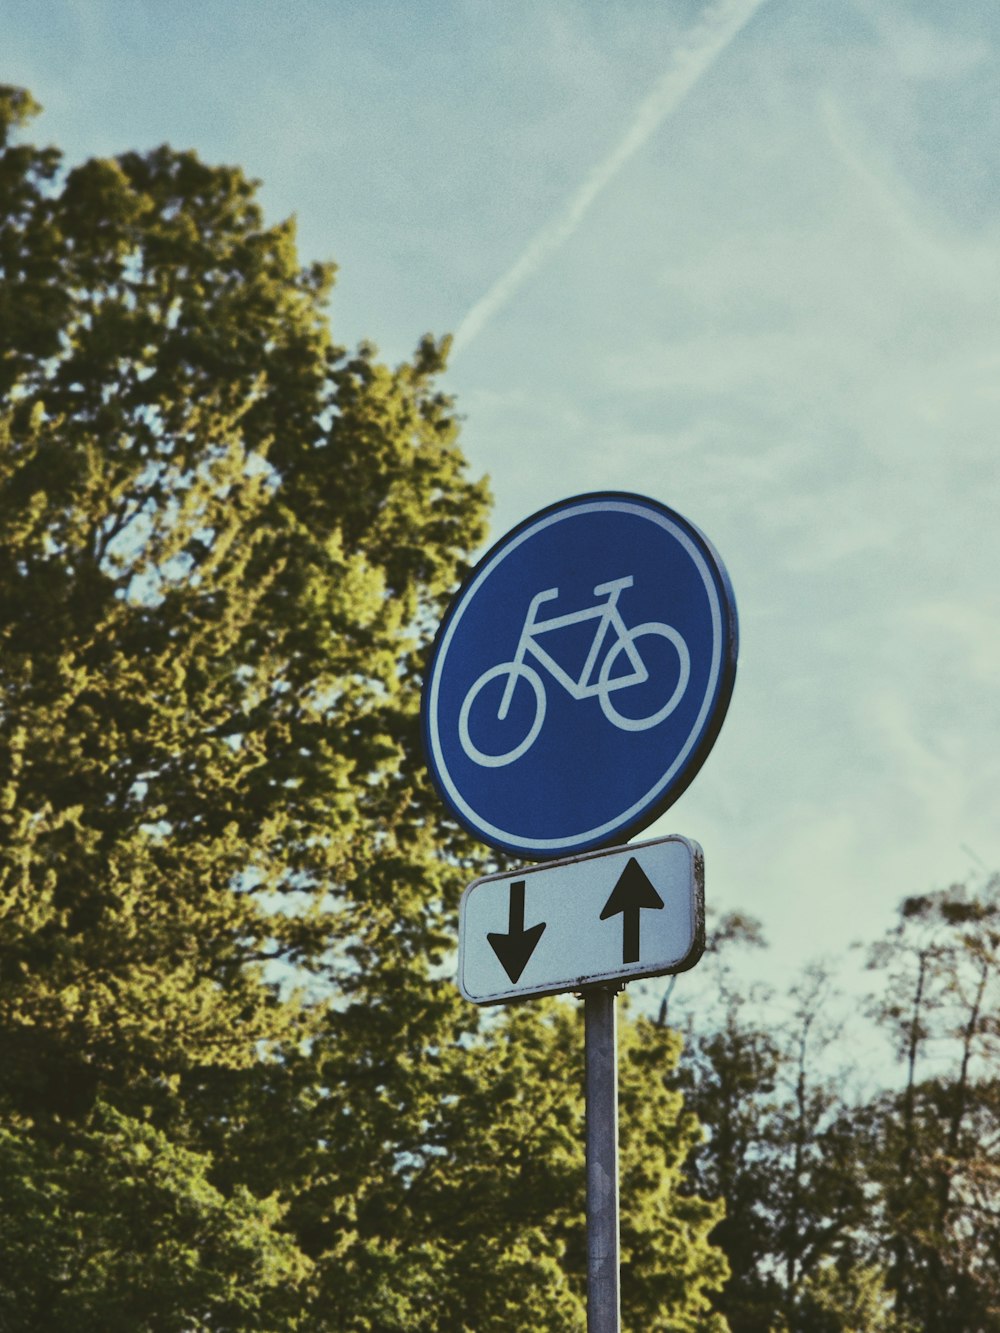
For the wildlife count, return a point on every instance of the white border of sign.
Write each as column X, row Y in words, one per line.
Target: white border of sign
column 651, row 803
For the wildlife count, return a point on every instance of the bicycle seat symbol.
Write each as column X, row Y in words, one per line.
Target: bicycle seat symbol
column 593, row 680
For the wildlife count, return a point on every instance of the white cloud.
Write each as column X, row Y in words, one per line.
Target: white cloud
column 966, row 635
column 721, row 23
column 925, row 50
column 959, row 269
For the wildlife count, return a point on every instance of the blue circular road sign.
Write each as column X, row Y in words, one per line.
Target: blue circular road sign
column 580, row 676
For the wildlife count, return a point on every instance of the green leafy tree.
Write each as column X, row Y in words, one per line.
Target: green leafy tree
column 781, row 1148
column 120, row 1228
column 729, row 1076
column 524, row 1120
column 820, row 1196
column 221, row 538
column 237, row 1089
column 935, row 1143
column 838, row 1297
column 672, row 1267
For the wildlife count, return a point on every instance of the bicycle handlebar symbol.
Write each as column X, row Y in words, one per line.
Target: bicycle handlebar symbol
column 586, row 685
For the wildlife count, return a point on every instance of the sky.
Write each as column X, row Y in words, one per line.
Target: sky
column 741, row 257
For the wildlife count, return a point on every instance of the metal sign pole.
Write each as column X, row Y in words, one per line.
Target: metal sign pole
column 601, row 1047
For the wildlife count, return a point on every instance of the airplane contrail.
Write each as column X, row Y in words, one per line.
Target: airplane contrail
column 690, row 61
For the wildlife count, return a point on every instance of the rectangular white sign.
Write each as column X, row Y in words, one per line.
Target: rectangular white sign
column 612, row 915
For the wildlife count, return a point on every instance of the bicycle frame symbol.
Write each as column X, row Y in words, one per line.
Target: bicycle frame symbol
column 591, row 682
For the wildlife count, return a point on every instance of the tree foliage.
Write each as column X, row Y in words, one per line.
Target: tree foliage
column 937, row 1139
column 237, row 1089
column 850, row 1209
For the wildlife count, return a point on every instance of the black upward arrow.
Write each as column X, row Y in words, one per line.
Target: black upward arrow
column 632, row 893
column 516, row 947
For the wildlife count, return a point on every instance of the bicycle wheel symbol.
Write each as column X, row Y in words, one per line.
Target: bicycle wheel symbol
column 501, row 672
column 606, row 684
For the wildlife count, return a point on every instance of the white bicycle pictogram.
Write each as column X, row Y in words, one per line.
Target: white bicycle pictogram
column 587, row 685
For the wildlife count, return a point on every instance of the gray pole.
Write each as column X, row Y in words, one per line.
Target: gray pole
column 601, row 1043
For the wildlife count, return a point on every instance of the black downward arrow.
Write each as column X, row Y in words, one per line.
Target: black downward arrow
column 516, row 947
column 630, row 895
